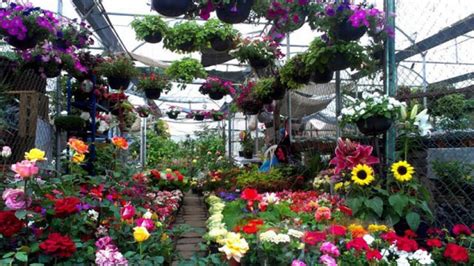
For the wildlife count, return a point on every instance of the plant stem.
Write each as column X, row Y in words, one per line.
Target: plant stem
column 406, row 148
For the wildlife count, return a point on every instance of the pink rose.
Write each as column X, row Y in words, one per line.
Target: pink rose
column 127, row 212
column 25, row 169
column 323, row 213
column 15, row 198
column 147, row 223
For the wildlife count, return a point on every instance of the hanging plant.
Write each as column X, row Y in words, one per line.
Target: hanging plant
column 153, row 84
column 288, row 16
column 171, row 8
column 217, row 88
column 186, row 37
column 185, row 71
column 220, row 35
column 233, row 11
column 198, row 115
column 263, row 89
column 173, row 113
column 217, row 115
column 294, row 73
column 88, row 61
column 119, row 70
column 258, row 52
column 246, row 102
column 150, row 28
column 72, row 33
column 143, row 111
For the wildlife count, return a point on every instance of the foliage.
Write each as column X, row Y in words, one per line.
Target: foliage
column 72, row 33
column 215, row 28
column 257, row 49
column 188, row 33
column 148, row 26
column 161, row 129
column 274, row 180
column 245, row 100
column 154, row 80
column 296, row 66
column 217, row 85
column 450, row 111
column 186, row 70
column 263, row 89
column 119, row 66
column 454, row 171
column 69, row 122
column 161, row 149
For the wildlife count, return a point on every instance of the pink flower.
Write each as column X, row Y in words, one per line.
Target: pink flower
column 330, row 249
column 127, row 212
column 298, row 263
column 461, row 229
column 349, row 154
column 104, row 242
column 15, row 198
column 327, row 260
column 323, row 213
column 110, row 256
column 147, row 223
column 25, row 169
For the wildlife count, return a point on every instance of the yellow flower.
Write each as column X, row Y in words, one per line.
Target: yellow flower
column 234, row 246
column 362, row 175
column 338, row 186
column 194, row 161
column 164, row 237
column 168, row 170
column 78, row 157
column 373, row 228
column 402, row 171
column 140, row 234
column 35, row 155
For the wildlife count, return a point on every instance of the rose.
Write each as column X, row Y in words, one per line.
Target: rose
column 66, row 206
column 78, row 145
column 120, row 142
column 78, row 158
column 147, row 223
column 35, row 155
column 358, row 244
column 58, row 245
column 140, row 234
column 127, row 212
column 15, row 199
column 9, row 223
column 25, row 169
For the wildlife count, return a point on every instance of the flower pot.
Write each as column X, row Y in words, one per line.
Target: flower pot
column 153, row 94
column 217, row 117
column 241, row 154
column 324, row 77
column 247, row 154
column 173, row 116
column 237, row 11
column 199, row 117
column 154, row 38
column 27, row 43
column 171, row 8
column 118, row 83
column 186, row 46
column 267, row 100
column 346, row 32
column 221, row 45
column 53, row 72
column 216, row 95
column 374, row 125
column 302, row 79
column 338, row 62
column 278, row 90
column 258, row 63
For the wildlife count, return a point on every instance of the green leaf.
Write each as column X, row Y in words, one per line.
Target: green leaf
column 413, row 220
column 159, row 259
column 355, row 203
column 9, row 254
column 21, row 214
column 36, row 264
column 375, row 204
column 21, row 256
column 398, row 202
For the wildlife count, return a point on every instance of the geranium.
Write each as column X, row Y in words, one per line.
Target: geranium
column 78, row 145
column 25, row 169
column 434, row 243
column 323, row 213
column 66, row 206
column 250, row 194
column 358, row 244
column 120, row 142
column 456, row 253
column 9, row 223
column 58, row 245
column 314, row 237
column 127, row 212
column 337, row 230
column 461, row 229
column 15, row 198
column 406, row 244
column 329, row 249
column 327, row 260
column 349, row 154
column 373, row 254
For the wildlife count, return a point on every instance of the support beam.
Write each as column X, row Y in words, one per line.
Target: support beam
column 453, row 80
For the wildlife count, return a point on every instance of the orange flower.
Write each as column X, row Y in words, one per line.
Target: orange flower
column 78, row 145
column 120, row 142
column 357, row 230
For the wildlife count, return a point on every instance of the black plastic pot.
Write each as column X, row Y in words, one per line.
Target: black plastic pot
column 118, row 83
column 374, row 125
column 53, row 72
column 241, row 154
column 216, row 95
column 302, row 79
column 152, row 94
column 199, row 117
column 154, row 38
column 221, row 45
column 171, row 8
column 323, row 77
column 237, row 11
column 267, row 100
column 186, row 47
column 346, row 32
column 338, row 62
column 247, row 154
column 258, row 63
column 27, row 43
column 279, row 90
column 173, row 116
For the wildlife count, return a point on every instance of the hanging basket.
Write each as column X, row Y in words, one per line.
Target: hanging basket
column 301, row 79
column 171, row 8
column 338, row 62
column 279, row 90
column 346, row 32
column 186, row 46
column 199, row 117
column 154, row 38
column 173, row 116
column 27, row 43
column 374, row 125
column 237, row 11
column 323, row 77
column 217, row 117
column 153, row 94
column 258, row 63
column 216, row 95
column 221, row 45
column 53, row 72
column 247, row 154
column 118, row 83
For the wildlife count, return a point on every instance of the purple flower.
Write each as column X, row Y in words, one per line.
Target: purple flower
column 15, row 198
column 359, row 18
column 329, row 249
column 330, row 11
column 104, row 242
column 327, row 260
column 298, row 263
column 303, row 2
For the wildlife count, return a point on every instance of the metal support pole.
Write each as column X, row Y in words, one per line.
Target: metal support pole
column 338, row 103
column 390, row 82
column 229, row 137
column 58, row 108
column 290, row 137
column 423, row 73
column 143, row 142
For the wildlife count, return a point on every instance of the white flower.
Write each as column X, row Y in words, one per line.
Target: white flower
column 403, row 261
column 281, row 238
column 268, row 236
column 93, row 214
column 421, row 121
column 295, row 233
column 85, row 116
column 63, row 113
column 270, row 198
column 422, row 257
column 217, row 233
column 147, row 215
column 369, row 239
column 6, row 152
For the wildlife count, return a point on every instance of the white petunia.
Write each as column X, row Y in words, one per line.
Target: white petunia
column 93, row 214
column 295, row 233
column 368, row 239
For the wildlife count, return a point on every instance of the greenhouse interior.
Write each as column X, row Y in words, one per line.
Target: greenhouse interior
column 237, row 132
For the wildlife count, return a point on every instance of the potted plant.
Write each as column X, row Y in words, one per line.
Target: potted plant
column 27, row 25
column 173, row 112
column 372, row 113
column 119, row 70
column 149, row 28
column 220, row 35
column 217, row 88
column 185, row 71
column 71, row 33
column 185, row 37
column 288, row 16
column 259, row 53
column 294, row 73
column 263, row 89
column 171, row 8
column 198, row 115
column 233, row 11
column 248, row 104
column 217, row 115
column 143, row 111
column 278, row 89
column 73, row 123
column 153, row 84
column 87, row 61
column 116, row 100
column 247, row 143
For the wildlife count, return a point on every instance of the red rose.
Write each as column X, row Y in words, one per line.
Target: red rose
column 456, row 253
column 250, row 194
column 314, row 237
column 66, row 206
column 406, row 244
column 155, row 173
column 9, row 224
column 373, row 254
column 58, row 245
column 358, row 244
column 459, row 229
column 434, row 243
column 337, row 230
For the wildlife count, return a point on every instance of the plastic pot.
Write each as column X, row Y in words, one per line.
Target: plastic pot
column 346, row 32
column 171, row 8
column 338, row 62
column 199, row 117
column 258, row 63
column 186, row 46
column 221, row 45
column 237, row 11
column 53, row 72
column 118, row 83
column 324, row 77
column 27, row 43
column 374, row 125
column 173, row 116
column 247, row 154
column 216, row 95
column 302, row 79
column 154, row 38
column 153, row 94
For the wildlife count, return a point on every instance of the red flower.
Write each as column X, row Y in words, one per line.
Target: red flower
column 97, row 191
column 406, row 244
column 358, row 244
column 410, row 234
column 434, row 243
column 139, row 177
column 250, row 194
column 433, row 231
column 169, row 176
column 58, row 245
column 337, row 230
column 9, row 224
column 373, row 254
column 389, row 237
column 256, row 221
column 456, row 253
column 127, row 212
column 66, row 206
column 250, row 228
column 314, row 237
column 155, row 173
column 459, row 229
column 346, row 210
column 349, row 154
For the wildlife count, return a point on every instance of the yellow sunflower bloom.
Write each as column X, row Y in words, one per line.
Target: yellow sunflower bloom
column 362, row 175
column 402, row 171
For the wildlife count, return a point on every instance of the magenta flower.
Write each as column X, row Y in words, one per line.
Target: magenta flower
column 147, row 223
column 349, row 154
column 25, row 169
column 298, row 263
column 104, row 242
column 127, row 212
column 15, row 198
column 359, row 18
column 330, row 249
column 327, row 260
column 110, row 256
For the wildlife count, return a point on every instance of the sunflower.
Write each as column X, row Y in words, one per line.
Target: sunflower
column 362, row 174
column 402, row 171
